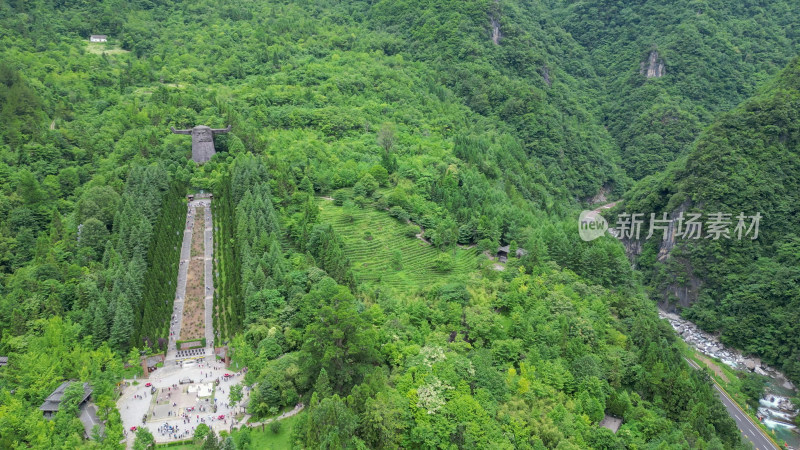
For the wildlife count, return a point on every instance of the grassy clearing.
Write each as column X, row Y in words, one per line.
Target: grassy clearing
column 270, row 440
column 98, row 48
column 374, row 256
column 718, row 371
column 179, row 447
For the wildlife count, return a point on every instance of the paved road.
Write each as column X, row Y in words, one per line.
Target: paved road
column 749, row 430
column 180, row 290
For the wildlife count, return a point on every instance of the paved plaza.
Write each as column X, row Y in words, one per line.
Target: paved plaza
column 176, row 407
column 191, row 388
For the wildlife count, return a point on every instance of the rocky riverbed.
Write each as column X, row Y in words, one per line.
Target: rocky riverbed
column 775, row 408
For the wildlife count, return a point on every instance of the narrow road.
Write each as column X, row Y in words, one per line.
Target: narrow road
column 180, row 290
column 751, row 431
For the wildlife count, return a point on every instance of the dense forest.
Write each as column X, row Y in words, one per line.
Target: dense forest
column 746, row 162
column 469, row 125
column 713, row 54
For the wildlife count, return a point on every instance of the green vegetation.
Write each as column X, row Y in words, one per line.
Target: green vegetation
column 246, row 437
column 196, row 343
column 412, row 119
column 227, row 284
column 372, row 260
column 258, row 438
column 54, row 351
column 162, row 272
column 747, row 162
column 715, row 54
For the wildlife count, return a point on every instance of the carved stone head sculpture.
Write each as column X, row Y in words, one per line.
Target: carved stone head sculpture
column 202, row 141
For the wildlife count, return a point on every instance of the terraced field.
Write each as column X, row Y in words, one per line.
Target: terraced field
column 373, row 260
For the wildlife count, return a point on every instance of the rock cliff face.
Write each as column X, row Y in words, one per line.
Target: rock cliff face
column 546, row 78
column 496, row 31
column 669, row 241
column 494, row 16
column 633, row 247
column 653, row 67
column 686, row 290
column 602, row 194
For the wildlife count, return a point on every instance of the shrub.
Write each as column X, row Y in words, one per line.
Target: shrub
column 397, row 260
column 275, row 427
column 360, row 201
column 444, row 262
column 486, row 245
column 380, row 203
column 379, row 174
column 399, row 213
column 339, row 197
column 201, row 431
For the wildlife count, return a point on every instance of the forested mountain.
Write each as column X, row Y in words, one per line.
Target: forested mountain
column 704, row 57
column 746, row 162
column 469, row 124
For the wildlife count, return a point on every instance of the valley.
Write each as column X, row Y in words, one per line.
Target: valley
column 352, row 224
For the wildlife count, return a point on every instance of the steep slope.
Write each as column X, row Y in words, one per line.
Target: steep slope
column 669, row 68
column 510, row 61
column 747, row 162
column 488, row 146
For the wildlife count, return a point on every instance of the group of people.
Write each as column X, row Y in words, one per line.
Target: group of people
column 208, row 407
column 173, row 323
column 173, row 431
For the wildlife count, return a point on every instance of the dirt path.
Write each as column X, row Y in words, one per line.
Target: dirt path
column 299, row 407
column 595, row 212
column 712, row 365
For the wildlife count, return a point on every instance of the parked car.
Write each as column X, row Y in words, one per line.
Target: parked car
column 148, row 384
column 186, row 381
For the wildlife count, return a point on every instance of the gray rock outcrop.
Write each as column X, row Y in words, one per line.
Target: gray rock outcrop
column 653, row 67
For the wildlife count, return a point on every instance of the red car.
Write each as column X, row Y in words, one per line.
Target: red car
column 228, row 375
column 148, row 384
column 221, row 416
column 133, row 428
